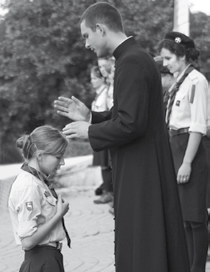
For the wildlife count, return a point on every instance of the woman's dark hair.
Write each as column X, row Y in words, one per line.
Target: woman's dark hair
column 45, row 138
column 191, row 54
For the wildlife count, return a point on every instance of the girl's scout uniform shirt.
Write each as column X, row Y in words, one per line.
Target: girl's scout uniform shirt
column 32, row 204
column 190, row 106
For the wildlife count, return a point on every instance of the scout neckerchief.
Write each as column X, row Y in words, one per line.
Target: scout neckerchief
column 174, row 91
column 38, row 174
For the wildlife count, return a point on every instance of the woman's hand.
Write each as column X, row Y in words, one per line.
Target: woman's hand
column 184, row 172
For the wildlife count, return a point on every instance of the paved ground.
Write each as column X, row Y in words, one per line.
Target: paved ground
column 90, row 227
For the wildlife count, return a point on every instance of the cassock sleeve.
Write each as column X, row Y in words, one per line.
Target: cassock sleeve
column 131, row 99
column 98, row 117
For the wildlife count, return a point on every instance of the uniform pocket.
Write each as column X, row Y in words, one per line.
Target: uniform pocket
column 51, row 200
column 179, row 99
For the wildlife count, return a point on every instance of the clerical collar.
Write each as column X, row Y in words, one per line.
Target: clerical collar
column 123, row 46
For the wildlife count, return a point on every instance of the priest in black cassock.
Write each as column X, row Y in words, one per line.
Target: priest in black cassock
column 149, row 234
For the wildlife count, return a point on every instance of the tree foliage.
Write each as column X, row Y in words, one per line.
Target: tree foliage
column 200, row 32
column 147, row 21
column 42, row 56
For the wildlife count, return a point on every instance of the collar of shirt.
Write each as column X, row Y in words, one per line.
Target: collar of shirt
column 171, row 88
column 182, row 73
column 26, row 167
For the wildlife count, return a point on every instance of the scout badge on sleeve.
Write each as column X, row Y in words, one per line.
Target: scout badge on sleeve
column 29, row 206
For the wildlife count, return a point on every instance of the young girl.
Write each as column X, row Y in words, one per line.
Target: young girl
column 186, row 119
column 107, row 68
column 100, row 87
column 101, row 158
column 35, row 209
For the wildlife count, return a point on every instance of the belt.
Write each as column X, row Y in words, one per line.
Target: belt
column 57, row 245
column 174, row 132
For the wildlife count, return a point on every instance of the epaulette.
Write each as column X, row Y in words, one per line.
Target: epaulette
column 192, row 94
column 193, row 77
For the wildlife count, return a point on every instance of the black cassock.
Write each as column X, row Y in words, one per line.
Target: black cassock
column 149, row 233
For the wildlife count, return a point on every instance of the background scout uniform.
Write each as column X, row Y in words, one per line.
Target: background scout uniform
column 189, row 115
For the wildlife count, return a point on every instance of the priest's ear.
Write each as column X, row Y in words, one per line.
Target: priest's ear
column 101, row 28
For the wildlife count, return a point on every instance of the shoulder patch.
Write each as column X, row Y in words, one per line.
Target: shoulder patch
column 29, row 206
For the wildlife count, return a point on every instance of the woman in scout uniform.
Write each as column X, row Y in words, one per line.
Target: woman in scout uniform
column 186, row 120
column 35, row 209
